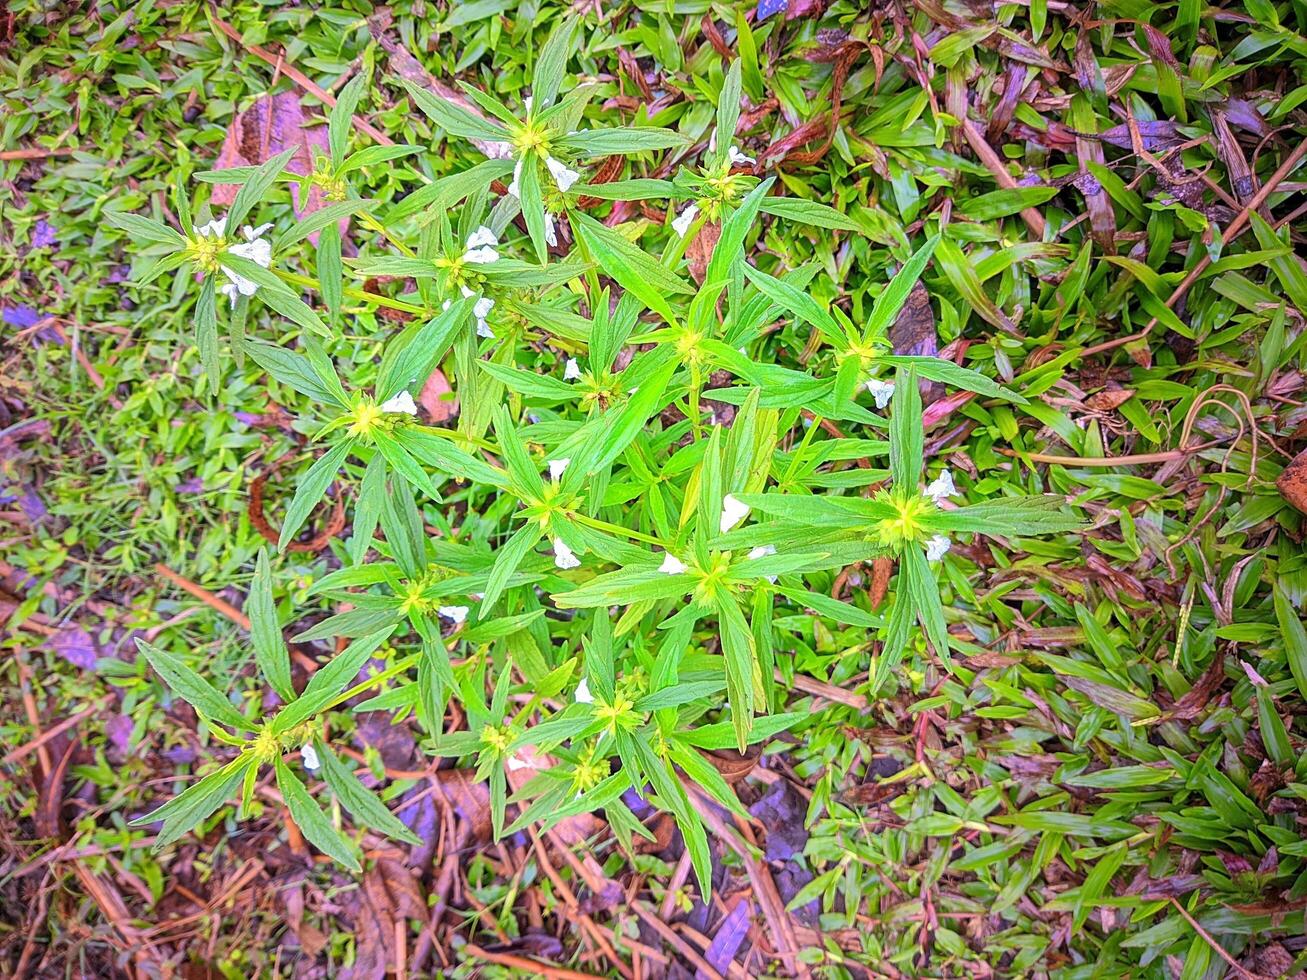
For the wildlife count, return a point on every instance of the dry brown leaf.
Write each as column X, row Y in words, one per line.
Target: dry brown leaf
column 272, row 124
column 698, row 251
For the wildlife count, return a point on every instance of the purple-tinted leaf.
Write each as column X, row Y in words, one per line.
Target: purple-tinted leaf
column 75, row 645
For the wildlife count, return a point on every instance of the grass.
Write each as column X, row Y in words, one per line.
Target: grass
column 1070, row 746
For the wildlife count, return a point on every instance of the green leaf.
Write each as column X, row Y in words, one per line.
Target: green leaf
column 605, row 142
column 310, row 490
column 506, row 562
column 891, row 299
column 452, row 117
column 312, row 822
column 956, row 376
column 735, row 229
column 738, row 650
column 798, row 303
column 192, row 688
column 550, row 64
column 255, row 187
column 341, row 121
column 906, row 439
column 265, row 632
column 633, row 270
column 329, row 680
column 369, row 811
column 143, row 229
column 183, row 813
column 1295, row 637
column 808, row 213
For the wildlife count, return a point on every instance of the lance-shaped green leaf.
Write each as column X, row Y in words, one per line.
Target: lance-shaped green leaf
column 312, row 822
column 631, row 268
column 907, row 437
column 508, row 558
column 808, row 213
column 341, row 121
column 399, row 460
column 142, row 229
column 891, row 299
column 329, row 681
column 255, row 187
column 954, row 375
column 265, row 632
column 183, row 813
column 551, row 62
column 275, row 293
column 452, row 117
column 192, row 688
column 1009, row 516
column 293, row 370
column 604, row 142
column 799, row 304
column 362, row 804
column 311, row 487
column 735, row 229
column 738, row 651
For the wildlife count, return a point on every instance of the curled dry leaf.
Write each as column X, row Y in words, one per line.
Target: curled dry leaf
column 1292, row 483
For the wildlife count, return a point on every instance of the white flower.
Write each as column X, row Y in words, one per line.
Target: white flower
column 214, row 229
column 681, row 223
column 732, row 512
column 557, row 466
column 255, row 248
column 481, row 309
column 936, row 547
column 514, row 188
column 551, row 236
column 571, row 370
column 563, row 176
column 481, row 247
column 456, row 613
column 671, row 565
column 583, row 695
column 498, row 149
column 563, row 556
column 401, row 404
column 738, row 158
column 515, row 764
column 528, row 102
column 310, row 756
column 941, row 487
column 881, row 391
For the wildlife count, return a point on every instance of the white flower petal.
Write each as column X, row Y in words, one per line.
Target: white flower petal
column 528, row 102
column 732, row 512
column 563, row 176
column 551, row 235
column 401, row 404
column 937, row 547
column 583, row 695
column 467, row 293
column 681, row 223
column 515, row 764
column 481, row 256
column 253, row 233
column 498, row 150
column 941, row 487
column 571, row 370
column 259, row 250
column 515, row 187
column 557, row 467
column 881, row 391
column 738, row 158
column 671, row 565
column 763, row 551
column 483, row 330
column 214, row 229
column 310, row 756
column 456, row 613
column 482, row 236
column 482, row 307
column 563, row 556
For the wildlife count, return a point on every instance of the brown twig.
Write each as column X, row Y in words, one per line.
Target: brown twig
column 204, row 595
column 994, row 164
column 1238, row 968
column 36, row 154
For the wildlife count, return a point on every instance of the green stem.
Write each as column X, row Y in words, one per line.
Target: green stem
column 600, row 525
column 305, row 282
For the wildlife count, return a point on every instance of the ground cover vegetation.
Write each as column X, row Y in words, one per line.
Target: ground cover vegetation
column 797, row 489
